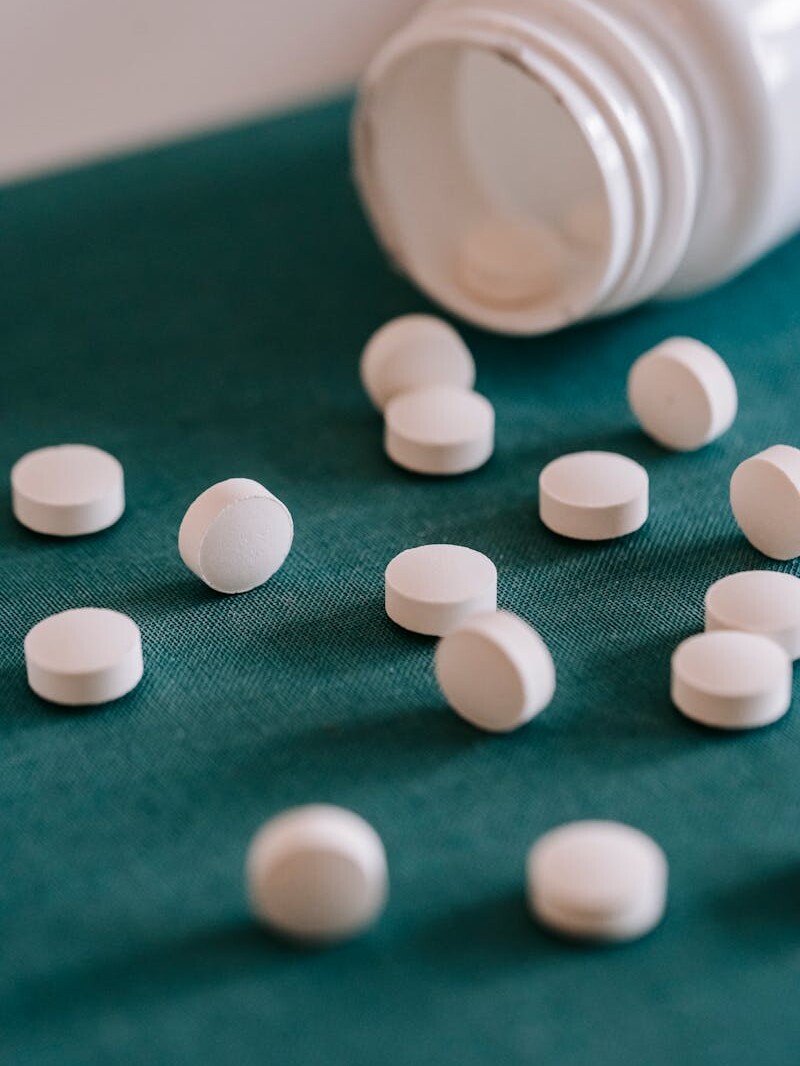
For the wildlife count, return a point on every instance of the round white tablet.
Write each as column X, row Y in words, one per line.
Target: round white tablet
column 439, row 430
column 682, row 394
column 435, row 587
column 757, row 601
column 413, row 352
column 765, row 498
column 731, row 680
column 84, row 657
column 495, row 671
column 509, row 261
column 235, row 535
column 67, row 490
column 593, row 496
column 597, row 880
column 317, row 873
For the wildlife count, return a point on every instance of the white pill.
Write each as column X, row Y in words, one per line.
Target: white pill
column 509, row 262
column 597, row 880
column 765, row 499
column 235, row 535
column 495, row 671
column 84, row 657
column 593, row 496
column 67, row 490
column 317, row 873
column 412, row 352
column 682, row 394
column 433, row 588
column 757, row 601
column 439, row 430
column 731, row 680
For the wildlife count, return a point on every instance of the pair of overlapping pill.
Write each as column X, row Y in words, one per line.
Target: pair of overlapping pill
column 419, row 372
column 319, row 874
column 494, row 669
column 738, row 673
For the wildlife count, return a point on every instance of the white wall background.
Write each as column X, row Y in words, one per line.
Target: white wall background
column 86, row 78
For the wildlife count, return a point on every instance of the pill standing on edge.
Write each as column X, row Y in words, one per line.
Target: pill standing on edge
column 235, row 535
column 495, row 671
column 593, row 496
column 84, row 657
column 597, row 880
column 765, row 500
column 731, row 680
column 757, row 601
column 433, row 588
column 413, row 352
column 67, row 490
column 441, row 430
column 682, row 394
column 317, row 873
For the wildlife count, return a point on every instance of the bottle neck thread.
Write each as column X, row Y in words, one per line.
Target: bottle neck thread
column 527, row 164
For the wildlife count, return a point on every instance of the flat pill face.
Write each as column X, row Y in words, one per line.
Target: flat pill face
column 765, row 499
column 433, row 588
column 414, row 352
column 682, row 394
column 593, row 495
column 731, row 680
column 246, row 544
column 757, row 601
column 67, row 490
column 440, row 430
column 83, row 657
column 600, row 879
column 495, row 671
column 317, row 873
column 235, row 535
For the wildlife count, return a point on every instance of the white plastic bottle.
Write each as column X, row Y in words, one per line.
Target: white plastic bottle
column 529, row 163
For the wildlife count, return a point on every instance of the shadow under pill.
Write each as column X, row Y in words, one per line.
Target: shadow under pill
column 159, row 595
column 499, row 931
column 763, row 907
column 629, row 441
column 386, row 746
column 144, row 973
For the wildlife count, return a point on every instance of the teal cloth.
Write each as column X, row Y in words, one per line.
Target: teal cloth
column 199, row 311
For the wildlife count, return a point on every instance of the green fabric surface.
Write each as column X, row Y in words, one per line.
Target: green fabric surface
column 199, row 312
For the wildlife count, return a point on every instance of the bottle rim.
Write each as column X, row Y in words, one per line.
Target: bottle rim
column 648, row 174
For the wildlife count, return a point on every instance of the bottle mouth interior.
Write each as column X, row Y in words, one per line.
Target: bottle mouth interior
column 492, row 188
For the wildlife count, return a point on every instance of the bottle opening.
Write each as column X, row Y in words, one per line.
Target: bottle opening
column 489, row 184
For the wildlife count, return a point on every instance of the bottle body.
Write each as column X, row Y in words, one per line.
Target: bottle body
column 529, row 163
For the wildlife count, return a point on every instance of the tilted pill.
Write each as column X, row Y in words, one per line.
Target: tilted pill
column 413, row 352
column 495, row 671
column 235, row 535
column 317, row 873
